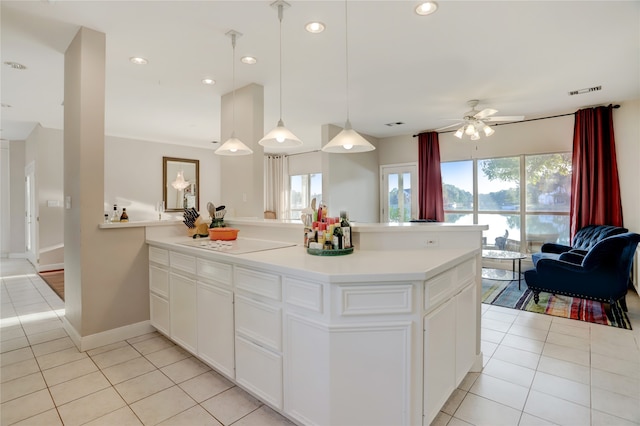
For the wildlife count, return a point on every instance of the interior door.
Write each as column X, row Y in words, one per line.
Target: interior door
column 31, row 214
column 399, row 192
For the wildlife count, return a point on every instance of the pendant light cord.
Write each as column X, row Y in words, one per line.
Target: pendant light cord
column 346, row 52
column 280, row 7
column 233, row 82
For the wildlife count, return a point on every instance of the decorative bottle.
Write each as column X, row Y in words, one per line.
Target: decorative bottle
column 346, row 229
column 124, row 217
column 114, row 216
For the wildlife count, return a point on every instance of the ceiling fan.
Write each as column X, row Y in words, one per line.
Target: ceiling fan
column 474, row 121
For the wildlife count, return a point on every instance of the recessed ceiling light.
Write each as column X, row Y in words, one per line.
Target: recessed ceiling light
column 250, row 60
column 209, row 81
column 138, row 60
column 315, row 27
column 426, row 8
column 15, row 65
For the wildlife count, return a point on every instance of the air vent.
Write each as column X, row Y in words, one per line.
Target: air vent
column 397, row 123
column 15, row 65
column 587, row 90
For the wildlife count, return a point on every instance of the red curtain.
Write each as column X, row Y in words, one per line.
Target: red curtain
column 595, row 189
column 431, row 205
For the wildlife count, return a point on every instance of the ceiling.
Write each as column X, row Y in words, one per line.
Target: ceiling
column 519, row 57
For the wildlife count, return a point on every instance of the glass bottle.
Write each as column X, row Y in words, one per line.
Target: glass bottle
column 124, row 217
column 346, row 229
column 114, row 216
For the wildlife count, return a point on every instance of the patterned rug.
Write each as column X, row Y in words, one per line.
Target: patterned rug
column 506, row 293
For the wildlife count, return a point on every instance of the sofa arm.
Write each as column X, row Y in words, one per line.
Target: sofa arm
column 579, row 252
column 554, row 248
column 572, row 257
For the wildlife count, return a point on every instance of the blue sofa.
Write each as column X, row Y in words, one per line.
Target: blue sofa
column 602, row 274
column 583, row 241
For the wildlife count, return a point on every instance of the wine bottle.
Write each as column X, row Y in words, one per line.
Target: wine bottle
column 124, row 217
column 338, row 238
column 346, row 229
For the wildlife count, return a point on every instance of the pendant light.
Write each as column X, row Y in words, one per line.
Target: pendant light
column 280, row 137
column 180, row 183
column 233, row 145
column 348, row 140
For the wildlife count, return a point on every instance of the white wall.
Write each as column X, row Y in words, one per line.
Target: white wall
column 302, row 164
column 5, row 187
column 351, row 181
column 626, row 124
column 133, row 176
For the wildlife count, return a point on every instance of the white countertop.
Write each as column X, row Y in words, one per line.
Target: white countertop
column 360, row 266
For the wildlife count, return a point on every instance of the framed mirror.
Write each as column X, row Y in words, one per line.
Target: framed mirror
column 180, row 183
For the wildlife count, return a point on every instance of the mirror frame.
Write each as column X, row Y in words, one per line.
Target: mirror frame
column 165, row 160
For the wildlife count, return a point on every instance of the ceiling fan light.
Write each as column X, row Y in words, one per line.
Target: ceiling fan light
column 488, row 131
column 470, row 130
column 458, row 134
column 475, row 136
column 348, row 141
column 233, row 146
column 280, row 137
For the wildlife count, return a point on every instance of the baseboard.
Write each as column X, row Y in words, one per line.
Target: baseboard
column 92, row 341
column 50, row 267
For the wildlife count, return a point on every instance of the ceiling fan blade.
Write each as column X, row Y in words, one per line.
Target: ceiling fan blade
column 485, row 113
column 448, row 127
column 506, row 118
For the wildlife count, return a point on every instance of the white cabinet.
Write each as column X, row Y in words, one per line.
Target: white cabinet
column 159, row 289
column 439, row 358
column 215, row 327
column 183, row 311
column 258, row 330
column 465, row 331
column 449, row 348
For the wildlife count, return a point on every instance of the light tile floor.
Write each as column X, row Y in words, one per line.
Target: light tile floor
column 147, row 380
column 538, row 370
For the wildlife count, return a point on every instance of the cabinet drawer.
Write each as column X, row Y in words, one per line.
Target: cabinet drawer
column 159, row 255
column 159, row 280
column 466, row 271
column 375, row 300
column 261, row 283
column 439, row 288
column 183, row 262
column 215, row 271
column 260, row 371
column 259, row 322
column 304, row 294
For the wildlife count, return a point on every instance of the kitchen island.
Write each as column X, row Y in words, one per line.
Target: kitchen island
column 375, row 337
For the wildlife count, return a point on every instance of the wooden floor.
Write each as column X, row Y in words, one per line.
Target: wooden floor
column 55, row 280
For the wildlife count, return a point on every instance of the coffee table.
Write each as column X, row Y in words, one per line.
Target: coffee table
column 500, row 274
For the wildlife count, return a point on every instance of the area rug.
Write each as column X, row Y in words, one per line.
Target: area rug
column 55, row 280
column 506, row 294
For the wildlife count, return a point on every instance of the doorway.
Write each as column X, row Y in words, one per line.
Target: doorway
column 399, row 192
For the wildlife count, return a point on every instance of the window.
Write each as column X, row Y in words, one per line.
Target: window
column 303, row 189
column 520, row 217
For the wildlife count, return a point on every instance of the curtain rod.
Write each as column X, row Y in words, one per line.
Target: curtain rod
column 521, row 121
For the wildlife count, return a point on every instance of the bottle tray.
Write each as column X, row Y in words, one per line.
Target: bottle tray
column 334, row 252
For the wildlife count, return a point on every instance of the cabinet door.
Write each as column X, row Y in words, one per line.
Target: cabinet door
column 183, row 311
column 259, row 370
column 439, row 358
column 159, row 312
column 215, row 327
column 465, row 331
column 159, row 280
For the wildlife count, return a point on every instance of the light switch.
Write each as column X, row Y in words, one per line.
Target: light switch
column 53, row 203
column 67, row 202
